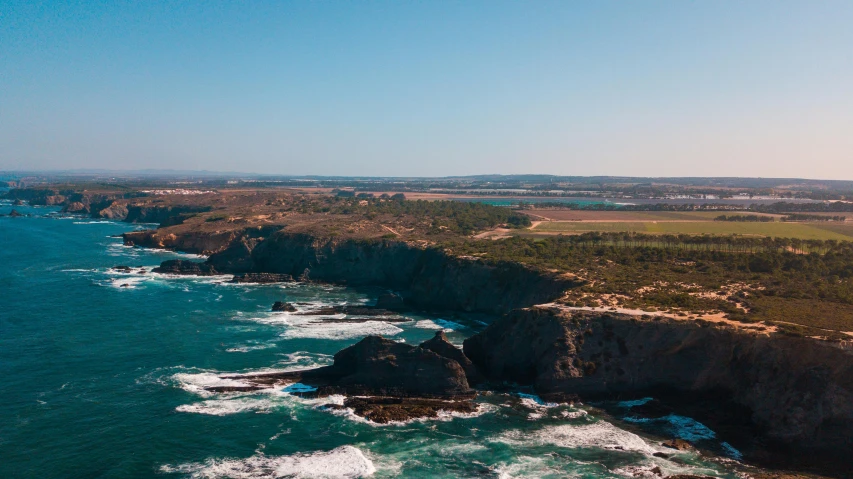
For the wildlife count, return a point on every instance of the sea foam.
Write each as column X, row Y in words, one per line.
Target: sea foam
column 342, row 462
column 319, row 329
column 225, row 407
column 437, row 324
column 601, row 435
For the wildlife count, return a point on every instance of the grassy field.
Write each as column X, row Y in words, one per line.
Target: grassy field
column 589, row 215
column 841, row 232
column 806, row 312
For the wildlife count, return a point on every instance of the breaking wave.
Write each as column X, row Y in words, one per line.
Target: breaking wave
column 342, row 462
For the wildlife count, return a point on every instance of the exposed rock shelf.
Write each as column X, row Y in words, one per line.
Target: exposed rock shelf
column 262, row 278
column 183, row 267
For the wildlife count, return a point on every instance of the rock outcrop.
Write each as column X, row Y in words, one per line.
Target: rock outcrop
column 116, row 211
column 376, row 366
column 262, row 278
column 385, row 380
column 179, row 266
column 391, row 302
column 441, row 346
column 280, row 306
column 799, row 391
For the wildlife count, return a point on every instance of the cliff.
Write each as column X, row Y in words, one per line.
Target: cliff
column 799, row 391
column 426, row 277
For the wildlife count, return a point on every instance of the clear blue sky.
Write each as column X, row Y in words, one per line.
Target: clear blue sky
column 677, row 88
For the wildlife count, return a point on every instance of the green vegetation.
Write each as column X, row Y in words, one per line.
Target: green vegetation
column 751, row 279
column 450, row 216
column 745, row 218
column 782, row 207
column 438, row 216
column 775, row 229
column 808, row 217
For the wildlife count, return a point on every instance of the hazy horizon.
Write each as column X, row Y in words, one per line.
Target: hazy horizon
column 402, row 89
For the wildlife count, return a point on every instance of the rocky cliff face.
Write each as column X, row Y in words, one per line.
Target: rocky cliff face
column 799, row 391
column 427, row 277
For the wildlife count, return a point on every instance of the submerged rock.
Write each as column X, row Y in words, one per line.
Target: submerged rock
column 280, row 306
column 179, row 266
column 678, row 444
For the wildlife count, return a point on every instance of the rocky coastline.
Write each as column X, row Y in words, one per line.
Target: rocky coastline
column 794, row 395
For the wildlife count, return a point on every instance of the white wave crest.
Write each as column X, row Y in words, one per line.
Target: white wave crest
column 197, row 382
column 437, row 324
column 251, row 346
column 342, row 462
column 319, row 329
column 127, row 282
column 304, row 360
column 225, row 407
column 601, row 435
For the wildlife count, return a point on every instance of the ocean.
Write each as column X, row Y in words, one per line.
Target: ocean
column 103, row 375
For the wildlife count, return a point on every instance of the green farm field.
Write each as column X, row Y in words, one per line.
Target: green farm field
column 628, row 216
column 841, row 232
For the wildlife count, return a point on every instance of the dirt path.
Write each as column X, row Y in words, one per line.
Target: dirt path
column 713, row 318
column 390, row 229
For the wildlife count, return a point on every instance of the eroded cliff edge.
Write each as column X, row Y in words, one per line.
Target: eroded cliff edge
column 427, row 277
column 799, row 391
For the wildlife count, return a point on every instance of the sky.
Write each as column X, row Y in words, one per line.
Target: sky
column 430, row 88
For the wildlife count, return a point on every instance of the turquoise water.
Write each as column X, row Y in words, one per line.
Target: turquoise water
column 100, row 379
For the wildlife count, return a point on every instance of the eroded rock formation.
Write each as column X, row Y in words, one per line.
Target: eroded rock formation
column 799, row 391
column 385, row 380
